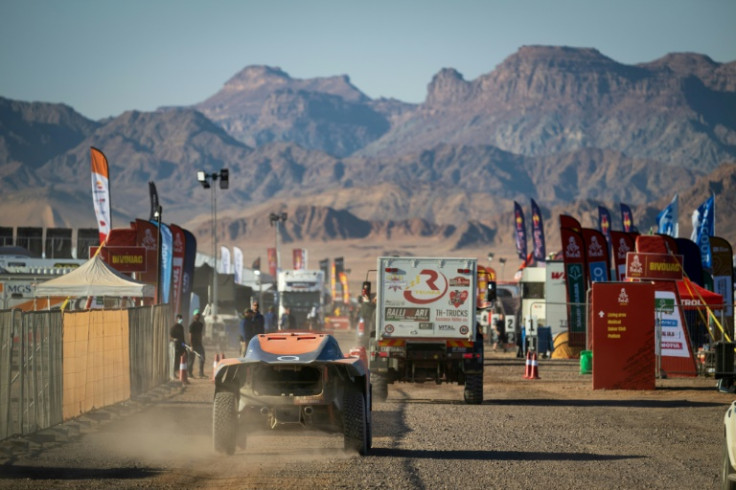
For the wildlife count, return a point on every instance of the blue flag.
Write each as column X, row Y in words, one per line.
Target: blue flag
column 704, row 227
column 667, row 219
column 540, row 249
column 520, row 229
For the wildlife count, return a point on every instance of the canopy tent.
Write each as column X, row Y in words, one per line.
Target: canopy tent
column 691, row 293
column 94, row 278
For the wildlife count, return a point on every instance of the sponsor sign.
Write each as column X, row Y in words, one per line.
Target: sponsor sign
column 653, row 266
column 123, row 259
column 407, row 314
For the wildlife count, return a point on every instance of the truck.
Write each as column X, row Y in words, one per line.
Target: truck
column 543, row 299
column 302, row 292
column 426, row 327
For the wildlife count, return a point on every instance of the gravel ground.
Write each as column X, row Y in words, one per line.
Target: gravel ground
column 554, row 432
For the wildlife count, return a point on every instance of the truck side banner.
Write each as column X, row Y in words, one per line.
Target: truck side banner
column 573, row 255
column 621, row 244
column 540, row 249
column 596, row 254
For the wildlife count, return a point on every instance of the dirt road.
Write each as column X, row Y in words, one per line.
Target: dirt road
column 555, row 432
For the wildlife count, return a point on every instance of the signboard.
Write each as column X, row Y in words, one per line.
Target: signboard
column 623, row 336
column 676, row 356
column 123, row 259
column 653, row 266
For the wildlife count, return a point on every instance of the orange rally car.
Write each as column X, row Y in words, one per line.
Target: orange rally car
column 292, row 379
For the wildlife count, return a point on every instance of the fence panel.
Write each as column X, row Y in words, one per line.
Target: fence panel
column 149, row 347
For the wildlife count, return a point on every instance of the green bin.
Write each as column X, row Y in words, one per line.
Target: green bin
column 586, row 362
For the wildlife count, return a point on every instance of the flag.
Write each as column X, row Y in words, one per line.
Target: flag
column 667, row 219
column 604, row 222
column 520, row 228
column 101, row 192
column 154, row 200
column 299, row 256
column 256, row 266
column 704, row 227
column 224, row 260
column 238, row 265
column 627, row 219
column 272, row 261
column 540, row 252
column 177, row 264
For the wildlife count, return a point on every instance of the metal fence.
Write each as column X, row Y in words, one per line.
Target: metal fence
column 32, row 367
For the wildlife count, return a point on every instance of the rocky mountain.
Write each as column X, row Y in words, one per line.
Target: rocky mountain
column 568, row 127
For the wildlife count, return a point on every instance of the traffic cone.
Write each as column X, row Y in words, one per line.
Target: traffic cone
column 183, row 369
column 214, row 366
column 528, row 366
column 535, row 369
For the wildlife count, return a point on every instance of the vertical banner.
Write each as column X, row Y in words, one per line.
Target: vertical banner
column 574, row 260
column 187, row 277
column 596, row 255
column 345, row 291
column 627, row 219
column 298, row 258
column 676, row 357
column 567, row 221
column 238, row 265
column 167, row 262
column 338, row 267
column 723, row 274
column 177, row 265
column 271, row 254
column 621, row 244
column 101, row 192
column 604, row 223
column 519, row 231
column 623, row 336
column 153, row 193
column 704, row 227
column 540, row 250
column 147, row 237
column 668, row 219
column 224, row 260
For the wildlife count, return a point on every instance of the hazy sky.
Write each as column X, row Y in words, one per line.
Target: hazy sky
column 103, row 57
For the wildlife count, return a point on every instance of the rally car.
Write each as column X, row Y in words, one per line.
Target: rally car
column 297, row 379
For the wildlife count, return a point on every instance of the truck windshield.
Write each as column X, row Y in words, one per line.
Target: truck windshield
column 303, row 299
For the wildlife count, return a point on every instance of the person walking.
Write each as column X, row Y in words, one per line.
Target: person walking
column 246, row 330
column 176, row 335
column 195, row 341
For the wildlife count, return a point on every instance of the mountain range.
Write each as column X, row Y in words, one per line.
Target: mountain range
column 568, row 127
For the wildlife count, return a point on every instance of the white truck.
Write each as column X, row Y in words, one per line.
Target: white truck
column 302, row 291
column 426, row 327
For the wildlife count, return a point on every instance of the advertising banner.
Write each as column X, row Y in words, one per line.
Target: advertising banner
column 704, row 226
column 676, row 356
column 271, row 253
column 627, row 219
column 298, row 256
column 519, row 231
column 574, row 258
column 596, row 255
column 101, row 192
column 177, row 264
column 604, row 222
column 623, row 336
column 540, row 249
column 238, row 265
column 123, row 259
column 187, row 276
column 723, row 273
column 147, row 237
column 653, row 267
column 621, row 244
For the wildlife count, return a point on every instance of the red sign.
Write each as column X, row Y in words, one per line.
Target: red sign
column 123, row 259
column 656, row 267
column 623, row 336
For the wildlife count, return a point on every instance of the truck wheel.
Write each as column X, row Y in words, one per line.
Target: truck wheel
column 224, row 422
column 473, row 392
column 355, row 424
column 380, row 387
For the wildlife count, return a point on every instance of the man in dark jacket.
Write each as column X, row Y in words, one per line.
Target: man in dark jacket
column 259, row 322
column 195, row 336
column 246, row 330
column 176, row 335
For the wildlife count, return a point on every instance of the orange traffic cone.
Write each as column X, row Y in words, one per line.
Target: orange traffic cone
column 183, row 369
column 528, row 366
column 535, row 369
column 214, row 366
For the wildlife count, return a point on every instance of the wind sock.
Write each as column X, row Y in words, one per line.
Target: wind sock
column 604, row 222
column 101, row 192
column 540, row 252
column 627, row 219
column 520, row 233
column 667, row 219
column 704, row 227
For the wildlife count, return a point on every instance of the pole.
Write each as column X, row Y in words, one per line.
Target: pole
column 214, row 248
column 158, row 255
column 278, row 253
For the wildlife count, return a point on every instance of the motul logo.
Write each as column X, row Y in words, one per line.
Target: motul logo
column 558, row 275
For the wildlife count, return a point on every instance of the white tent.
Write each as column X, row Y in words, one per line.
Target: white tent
column 94, row 278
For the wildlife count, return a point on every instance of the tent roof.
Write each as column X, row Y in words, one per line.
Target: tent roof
column 714, row 300
column 94, row 278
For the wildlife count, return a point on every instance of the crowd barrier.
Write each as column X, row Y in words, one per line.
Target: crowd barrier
column 55, row 366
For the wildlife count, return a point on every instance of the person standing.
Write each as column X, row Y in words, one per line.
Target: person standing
column 195, row 340
column 246, row 330
column 176, row 335
column 258, row 321
column 269, row 320
column 288, row 322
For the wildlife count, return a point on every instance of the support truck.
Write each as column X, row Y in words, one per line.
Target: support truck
column 426, row 327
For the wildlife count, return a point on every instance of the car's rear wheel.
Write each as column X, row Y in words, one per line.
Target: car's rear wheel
column 355, row 422
column 473, row 392
column 224, row 422
column 728, row 474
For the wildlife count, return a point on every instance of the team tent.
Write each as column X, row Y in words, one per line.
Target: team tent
column 691, row 294
column 94, row 278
